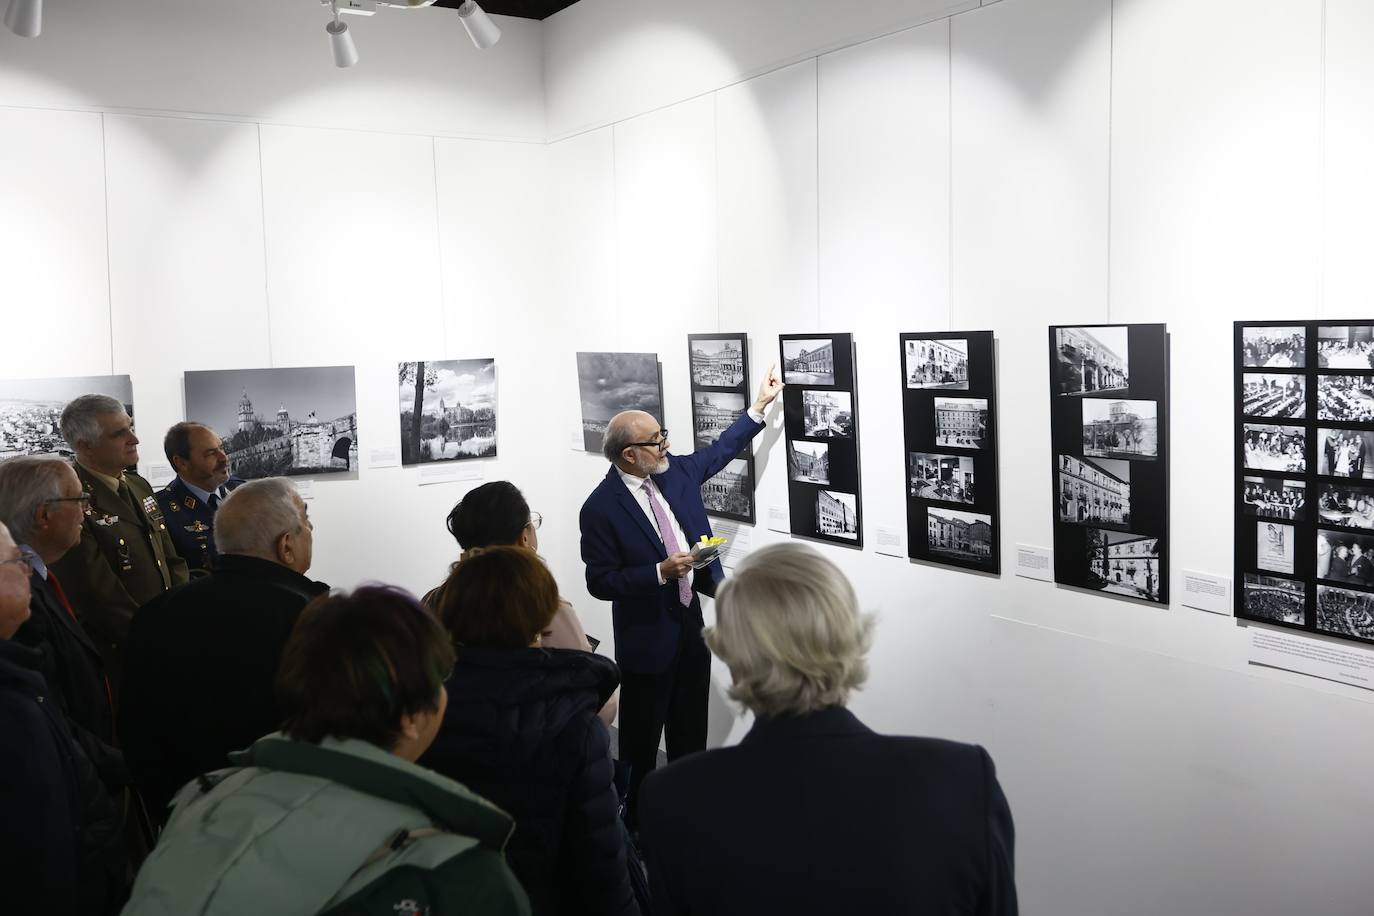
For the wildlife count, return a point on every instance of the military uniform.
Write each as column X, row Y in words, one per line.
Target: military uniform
column 125, row 559
column 191, row 522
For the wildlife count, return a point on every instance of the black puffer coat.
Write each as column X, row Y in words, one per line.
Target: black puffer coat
column 521, row 730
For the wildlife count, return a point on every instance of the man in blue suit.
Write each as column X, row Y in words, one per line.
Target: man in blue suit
column 189, row 502
column 638, row 527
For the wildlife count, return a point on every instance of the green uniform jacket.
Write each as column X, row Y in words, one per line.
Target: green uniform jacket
column 124, row 560
column 342, row 827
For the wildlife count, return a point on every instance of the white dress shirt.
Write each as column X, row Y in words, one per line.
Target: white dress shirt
column 636, row 488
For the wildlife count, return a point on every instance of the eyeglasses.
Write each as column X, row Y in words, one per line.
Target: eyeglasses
column 21, row 561
column 83, row 498
column 662, row 443
column 536, row 520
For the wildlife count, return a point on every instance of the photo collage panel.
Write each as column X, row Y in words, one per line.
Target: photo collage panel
column 821, row 429
column 949, row 412
column 1304, row 521
column 1109, row 422
column 719, row 365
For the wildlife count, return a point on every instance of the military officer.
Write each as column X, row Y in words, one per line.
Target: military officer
column 125, row 557
column 189, row 502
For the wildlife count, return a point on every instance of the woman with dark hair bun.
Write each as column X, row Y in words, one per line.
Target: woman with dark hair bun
column 522, row 729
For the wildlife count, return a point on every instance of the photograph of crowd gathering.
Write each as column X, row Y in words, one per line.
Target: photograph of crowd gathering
column 1274, row 348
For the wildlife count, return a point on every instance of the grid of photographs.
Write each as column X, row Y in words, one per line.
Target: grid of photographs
column 949, row 404
column 821, row 429
column 1109, row 422
column 1304, row 516
column 313, row 429
column 720, row 393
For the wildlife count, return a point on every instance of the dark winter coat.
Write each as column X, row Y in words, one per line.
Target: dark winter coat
column 200, row 672
column 521, row 730
column 60, row 829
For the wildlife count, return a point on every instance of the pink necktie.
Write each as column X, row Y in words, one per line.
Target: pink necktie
column 684, row 588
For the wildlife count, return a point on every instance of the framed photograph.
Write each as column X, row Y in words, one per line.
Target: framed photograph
column 962, row 536
column 1344, row 556
column 1345, row 453
column 312, row 430
column 1120, row 429
column 611, row 382
column 455, row 401
column 949, row 420
column 1274, row 550
column 719, row 369
column 1345, row 346
column 1345, row 612
column 1275, row 447
column 1092, row 359
column 1275, row 497
column 1272, row 598
column 1109, row 425
column 808, row 461
column 1276, row 347
column 808, row 361
column 1344, row 505
column 821, row 427
column 1268, row 394
column 933, row 362
column 1345, row 398
column 31, row 410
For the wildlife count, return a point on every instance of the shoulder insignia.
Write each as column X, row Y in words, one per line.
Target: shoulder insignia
column 189, row 502
column 173, row 507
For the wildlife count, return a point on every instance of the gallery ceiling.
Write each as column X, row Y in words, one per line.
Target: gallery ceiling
column 524, row 9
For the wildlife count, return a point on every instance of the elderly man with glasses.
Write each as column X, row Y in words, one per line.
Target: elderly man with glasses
column 638, row 527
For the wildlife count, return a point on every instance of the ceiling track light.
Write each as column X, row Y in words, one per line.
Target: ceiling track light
column 340, row 41
column 478, row 25
column 25, row 18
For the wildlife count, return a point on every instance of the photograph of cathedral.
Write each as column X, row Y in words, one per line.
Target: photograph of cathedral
column 456, row 403
column 31, row 408
column 278, row 422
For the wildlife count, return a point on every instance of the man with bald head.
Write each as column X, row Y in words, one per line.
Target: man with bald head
column 638, row 527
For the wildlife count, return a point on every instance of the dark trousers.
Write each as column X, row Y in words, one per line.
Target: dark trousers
column 672, row 701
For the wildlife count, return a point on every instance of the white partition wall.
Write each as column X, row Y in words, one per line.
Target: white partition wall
column 631, row 171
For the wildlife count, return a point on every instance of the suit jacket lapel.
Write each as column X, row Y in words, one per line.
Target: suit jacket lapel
column 43, row 589
column 631, row 505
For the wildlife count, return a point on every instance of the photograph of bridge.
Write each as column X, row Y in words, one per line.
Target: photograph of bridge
column 277, row 422
column 456, row 402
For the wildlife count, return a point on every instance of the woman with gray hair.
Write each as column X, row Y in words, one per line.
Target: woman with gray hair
column 813, row 812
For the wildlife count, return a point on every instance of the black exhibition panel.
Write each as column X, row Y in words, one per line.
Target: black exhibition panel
column 719, row 366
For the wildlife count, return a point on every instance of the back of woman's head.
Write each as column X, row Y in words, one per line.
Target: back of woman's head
column 494, row 513
column 498, row 598
column 356, row 664
column 789, row 628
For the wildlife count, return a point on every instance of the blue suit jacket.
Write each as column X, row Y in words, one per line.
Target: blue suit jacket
column 622, row 550
column 191, row 523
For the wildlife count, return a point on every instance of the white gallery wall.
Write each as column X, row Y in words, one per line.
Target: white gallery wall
column 185, row 185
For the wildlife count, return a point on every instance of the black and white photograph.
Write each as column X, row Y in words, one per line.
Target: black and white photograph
column 30, row 410
column 937, row 363
column 1274, row 348
column 455, row 400
column 1272, row 598
column 1275, row 549
column 611, row 382
column 1346, row 346
column 1345, row 453
column 1345, row 557
column 1275, row 497
column 712, row 414
column 1342, row 612
column 808, row 362
column 961, row 422
column 1092, row 359
column 808, row 462
column 959, row 535
column 827, row 414
column 1120, row 429
column 1345, row 398
column 836, row 515
column 1094, row 491
column 1124, row 564
column 1347, row 506
column 1271, row 447
column 1268, row 394
column 718, row 363
column 944, row 477
column 731, row 491
column 277, row 422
